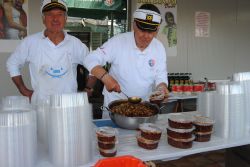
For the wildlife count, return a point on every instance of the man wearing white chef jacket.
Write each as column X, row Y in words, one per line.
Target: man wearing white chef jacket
column 138, row 59
column 52, row 56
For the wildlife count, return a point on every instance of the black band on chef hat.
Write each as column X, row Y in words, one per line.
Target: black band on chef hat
column 53, row 4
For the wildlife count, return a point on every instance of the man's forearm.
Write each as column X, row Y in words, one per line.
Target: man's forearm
column 98, row 72
column 110, row 83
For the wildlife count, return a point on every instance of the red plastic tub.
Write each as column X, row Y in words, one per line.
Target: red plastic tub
column 122, row 161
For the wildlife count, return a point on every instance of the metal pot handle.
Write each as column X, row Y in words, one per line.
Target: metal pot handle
column 104, row 108
column 162, row 107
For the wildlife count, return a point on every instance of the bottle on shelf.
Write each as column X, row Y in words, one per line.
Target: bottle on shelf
column 181, row 78
column 176, row 78
column 171, row 81
column 190, row 79
column 186, row 78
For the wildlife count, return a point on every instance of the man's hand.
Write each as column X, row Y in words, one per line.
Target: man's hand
column 111, row 84
column 157, row 95
column 22, row 34
column 26, row 92
column 160, row 94
column 162, row 87
column 21, row 86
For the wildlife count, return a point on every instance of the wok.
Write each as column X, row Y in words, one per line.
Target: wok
column 131, row 122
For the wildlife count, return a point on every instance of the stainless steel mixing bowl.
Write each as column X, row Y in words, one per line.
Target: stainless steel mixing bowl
column 131, row 122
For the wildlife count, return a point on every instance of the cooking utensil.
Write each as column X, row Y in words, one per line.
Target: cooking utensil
column 131, row 122
column 133, row 99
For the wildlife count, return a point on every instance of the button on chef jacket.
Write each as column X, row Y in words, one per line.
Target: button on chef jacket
column 136, row 71
column 52, row 67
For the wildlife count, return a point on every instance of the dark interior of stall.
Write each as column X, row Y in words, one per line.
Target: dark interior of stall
column 89, row 28
column 82, row 75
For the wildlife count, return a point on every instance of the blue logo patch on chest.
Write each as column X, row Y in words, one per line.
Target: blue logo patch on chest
column 56, row 72
column 151, row 62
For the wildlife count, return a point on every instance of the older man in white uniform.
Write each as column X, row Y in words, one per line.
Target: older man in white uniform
column 138, row 59
column 52, row 56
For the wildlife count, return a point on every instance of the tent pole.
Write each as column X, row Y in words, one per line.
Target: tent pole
column 129, row 15
column 112, row 25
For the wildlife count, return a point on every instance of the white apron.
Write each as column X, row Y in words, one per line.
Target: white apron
column 55, row 73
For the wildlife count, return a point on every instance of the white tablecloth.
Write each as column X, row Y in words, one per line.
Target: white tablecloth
column 128, row 146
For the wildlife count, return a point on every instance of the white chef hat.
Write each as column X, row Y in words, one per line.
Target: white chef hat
column 51, row 4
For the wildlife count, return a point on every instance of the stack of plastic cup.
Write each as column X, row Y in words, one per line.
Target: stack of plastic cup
column 244, row 79
column 42, row 110
column 230, row 110
column 70, row 130
column 15, row 102
column 242, row 76
column 206, row 103
column 221, row 110
column 18, row 141
column 236, row 111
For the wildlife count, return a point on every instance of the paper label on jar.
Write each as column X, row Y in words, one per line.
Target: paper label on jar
column 198, row 87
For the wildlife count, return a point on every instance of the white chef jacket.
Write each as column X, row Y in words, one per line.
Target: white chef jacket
column 136, row 71
column 52, row 67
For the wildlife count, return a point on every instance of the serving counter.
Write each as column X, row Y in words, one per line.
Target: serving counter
column 127, row 145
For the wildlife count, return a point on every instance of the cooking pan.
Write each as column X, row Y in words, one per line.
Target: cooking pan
column 126, row 122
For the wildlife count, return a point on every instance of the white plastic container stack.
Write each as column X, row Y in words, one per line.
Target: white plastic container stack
column 70, row 130
column 206, row 103
column 42, row 110
column 15, row 102
column 236, row 111
column 229, row 110
column 18, row 141
column 244, row 79
column 221, row 110
column 246, row 91
column 242, row 76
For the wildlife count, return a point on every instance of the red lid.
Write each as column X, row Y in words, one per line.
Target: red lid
column 126, row 160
